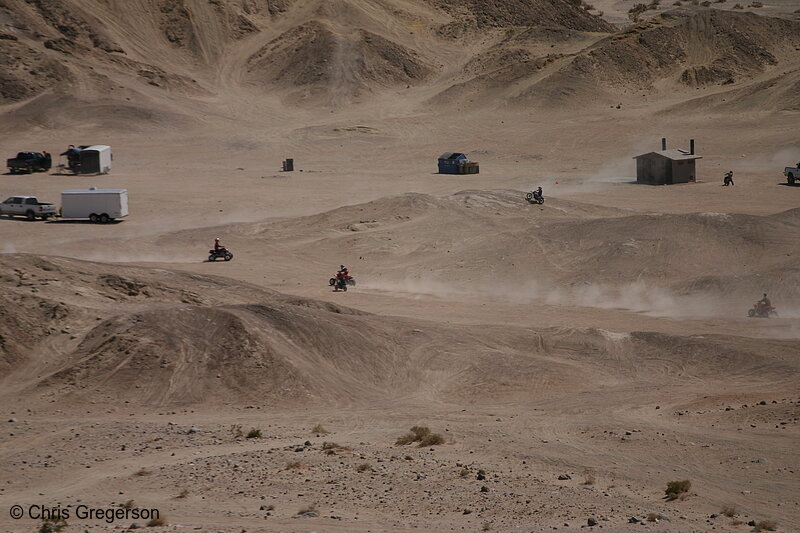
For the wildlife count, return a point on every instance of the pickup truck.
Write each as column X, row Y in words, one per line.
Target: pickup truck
column 792, row 174
column 28, row 162
column 28, row 206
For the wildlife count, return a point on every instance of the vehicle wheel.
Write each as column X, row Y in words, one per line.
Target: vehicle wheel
column 212, row 258
column 751, row 313
column 790, row 179
column 104, row 219
column 541, row 201
column 228, row 256
column 332, row 282
column 529, row 196
column 772, row 313
column 344, row 287
column 29, row 170
column 94, row 218
column 30, row 215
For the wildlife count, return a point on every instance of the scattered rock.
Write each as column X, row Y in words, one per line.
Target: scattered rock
column 484, row 488
column 633, row 520
column 193, row 430
column 591, row 522
column 467, row 511
column 307, row 514
column 135, row 526
column 564, row 477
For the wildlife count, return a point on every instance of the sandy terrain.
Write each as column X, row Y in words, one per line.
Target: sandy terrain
column 574, row 357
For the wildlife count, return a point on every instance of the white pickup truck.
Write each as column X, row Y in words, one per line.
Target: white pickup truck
column 27, row 206
column 792, row 174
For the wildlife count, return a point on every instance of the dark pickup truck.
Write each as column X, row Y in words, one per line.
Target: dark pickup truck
column 27, row 162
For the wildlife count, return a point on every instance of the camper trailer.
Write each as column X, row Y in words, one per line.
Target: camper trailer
column 98, row 205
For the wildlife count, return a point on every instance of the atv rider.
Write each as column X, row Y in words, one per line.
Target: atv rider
column 343, row 272
column 218, row 245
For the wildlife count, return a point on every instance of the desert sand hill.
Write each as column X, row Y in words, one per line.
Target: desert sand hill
column 572, row 358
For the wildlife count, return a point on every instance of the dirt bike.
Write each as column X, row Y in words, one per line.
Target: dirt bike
column 762, row 311
column 534, row 198
column 223, row 253
column 340, row 283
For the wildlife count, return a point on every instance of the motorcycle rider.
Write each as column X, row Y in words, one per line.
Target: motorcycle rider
column 764, row 302
column 728, row 180
column 537, row 193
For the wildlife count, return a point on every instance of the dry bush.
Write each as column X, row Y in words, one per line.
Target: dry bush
column 254, row 433
column 677, row 489
column 365, row 467
column 487, row 526
column 157, row 522
column 757, row 4
column 652, row 517
column 307, row 509
column 330, row 448
column 589, row 479
column 295, row 465
column 434, row 439
column 464, row 473
column 142, row 472
column 184, row 493
column 738, row 6
column 236, row 431
column 52, row 526
column 319, row 429
column 766, row 525
column 422, row 435
column 130, row 504
column 729, row 511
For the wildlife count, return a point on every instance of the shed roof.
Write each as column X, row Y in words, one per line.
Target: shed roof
column 96, row 191
column 98, row 147
column 675, row 155
column 452, row 155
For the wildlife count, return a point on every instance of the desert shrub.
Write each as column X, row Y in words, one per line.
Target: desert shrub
column 184, row 493
column 142, row 472
column 766, row 525
column 319, row 429
column 365, row 467
column 422, row 435
column 130, row 504
column 236, row 431
column 676, row 489
column 295, row 465
column 652, row 517
column 157, row 522
column 636, row 11
column 254, row 433
column 487, row 526
column 464, row 473
column 738, row 6
column 757, row 4
column 589, row 479
column 53, row 525
column 434, row 439
column 729, row 511
column 307, row 509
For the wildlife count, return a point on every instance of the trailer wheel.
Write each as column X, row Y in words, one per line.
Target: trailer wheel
column 94, row 218
column 30, row 215
column 104, row 219
column 790, row 178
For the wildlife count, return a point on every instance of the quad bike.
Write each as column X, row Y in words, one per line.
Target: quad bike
column 762, row 311
column 223, row 253
column 534, row 197
column 340, row 283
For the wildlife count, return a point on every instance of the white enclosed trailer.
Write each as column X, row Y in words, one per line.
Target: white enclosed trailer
column 95, row 159
column 98, row 205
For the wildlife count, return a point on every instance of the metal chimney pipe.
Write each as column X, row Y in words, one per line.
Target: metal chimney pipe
column 663, row 143
column 691, row 146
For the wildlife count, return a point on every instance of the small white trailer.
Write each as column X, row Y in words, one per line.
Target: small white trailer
column 95, row 159
column 98, row 205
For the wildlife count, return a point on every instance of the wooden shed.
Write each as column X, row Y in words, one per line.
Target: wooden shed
column 667, row 166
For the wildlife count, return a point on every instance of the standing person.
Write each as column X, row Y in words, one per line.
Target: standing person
column 728, row 180
column 47, row 160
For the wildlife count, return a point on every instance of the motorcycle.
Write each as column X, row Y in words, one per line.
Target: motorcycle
column 223, row 253
column 340, row 283
column 762, row 311
column 534, row 198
